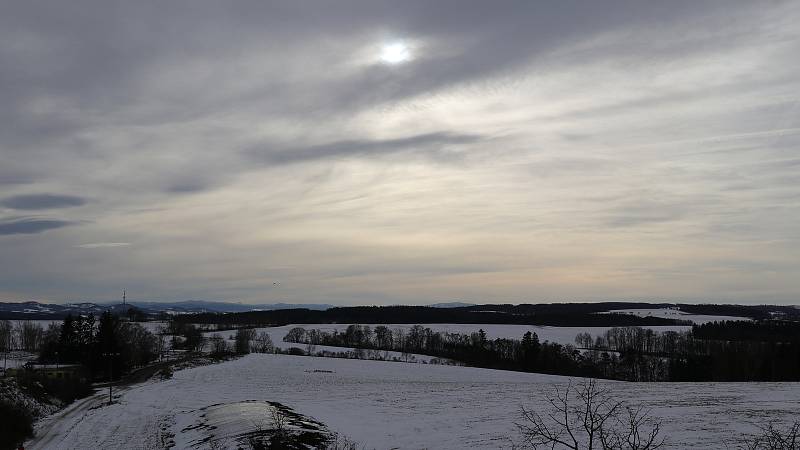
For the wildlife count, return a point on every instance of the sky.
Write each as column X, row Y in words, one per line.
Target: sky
column 400, row 152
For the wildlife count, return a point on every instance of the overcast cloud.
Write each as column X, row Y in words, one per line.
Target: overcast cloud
column 519, row 151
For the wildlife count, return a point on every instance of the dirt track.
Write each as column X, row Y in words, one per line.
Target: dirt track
column 50, row 428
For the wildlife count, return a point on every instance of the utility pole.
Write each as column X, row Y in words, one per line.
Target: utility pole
column 110, row 356
column 6, row 344
column 124, row 292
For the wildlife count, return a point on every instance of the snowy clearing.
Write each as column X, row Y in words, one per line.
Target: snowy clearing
column 395, row 405
column 667, row 313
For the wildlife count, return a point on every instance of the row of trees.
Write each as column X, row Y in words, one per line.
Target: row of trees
column 24, row 335
column 474, row 349
column 624, row 353
column 246, row 340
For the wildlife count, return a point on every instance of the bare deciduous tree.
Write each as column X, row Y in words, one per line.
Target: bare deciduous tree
column 161, row 344
column 219, row 346
column 6, row 336
column 244, row 336
column 589, row 417
column 263, row 343
column 774, row 438
column 584, row 340
column 29, row 335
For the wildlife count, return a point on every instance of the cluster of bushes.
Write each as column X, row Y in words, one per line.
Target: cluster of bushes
column 246, row 340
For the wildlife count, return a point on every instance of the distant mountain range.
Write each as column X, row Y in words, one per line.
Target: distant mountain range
column 37, row 310
column 451, row 305
column 203, row 306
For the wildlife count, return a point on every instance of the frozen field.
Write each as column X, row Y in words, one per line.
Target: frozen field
column 667, row 313
column 395, row 405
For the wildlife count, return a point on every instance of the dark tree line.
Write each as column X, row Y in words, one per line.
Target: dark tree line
column 717, row 351
column 573, row 315
column 771, row 351
column 553, row 314
column 763, row 331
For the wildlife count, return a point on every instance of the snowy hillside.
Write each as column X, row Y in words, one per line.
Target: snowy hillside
column 408, row 406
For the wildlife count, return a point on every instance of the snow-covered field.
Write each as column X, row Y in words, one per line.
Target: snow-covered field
column 395, row 405
column 667, row 313
column 154, row 327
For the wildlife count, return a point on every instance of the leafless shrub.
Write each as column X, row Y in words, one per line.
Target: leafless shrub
column 774, row 438
column 280, row 421
column 218, row 444
column 588, row 417
column 219, row 346
column 339, row 442
column 636, row 430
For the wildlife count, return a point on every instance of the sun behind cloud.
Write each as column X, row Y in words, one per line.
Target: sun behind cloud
column 397, row 52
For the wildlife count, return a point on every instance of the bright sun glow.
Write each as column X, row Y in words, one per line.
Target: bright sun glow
column 395, row 53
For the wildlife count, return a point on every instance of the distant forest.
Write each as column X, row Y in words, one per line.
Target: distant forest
column 554, row 314
column 764, row 349
column 563, row 314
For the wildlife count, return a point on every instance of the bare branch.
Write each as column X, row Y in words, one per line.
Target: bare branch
column 588, row 417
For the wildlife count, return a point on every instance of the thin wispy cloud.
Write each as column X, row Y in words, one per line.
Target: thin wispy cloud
column 104, row 245
column 436, row 145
